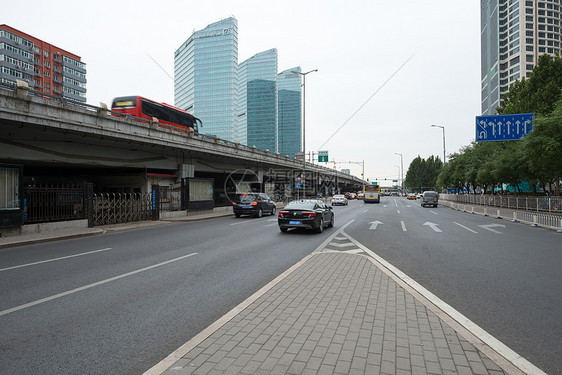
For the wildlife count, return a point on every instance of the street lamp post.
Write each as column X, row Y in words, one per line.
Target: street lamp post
column 304, row 125
column 443, row 128
column 402, row 170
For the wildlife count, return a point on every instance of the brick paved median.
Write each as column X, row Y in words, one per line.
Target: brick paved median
column 335, row 314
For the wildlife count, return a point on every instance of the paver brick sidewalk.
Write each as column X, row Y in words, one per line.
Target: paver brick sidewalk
column 335, row 314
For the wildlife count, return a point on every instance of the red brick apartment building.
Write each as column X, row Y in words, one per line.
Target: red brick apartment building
column 43, row 66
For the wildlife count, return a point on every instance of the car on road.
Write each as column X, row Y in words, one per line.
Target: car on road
column 253, row 204
column 419, row 196
column 307, row 214
column 339, row 199
column 360, row 195
column 411, row 196
column 430, row 198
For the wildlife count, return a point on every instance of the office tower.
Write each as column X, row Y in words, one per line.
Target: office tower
column 289, row 115
column 205, row 74
column 514, row 34
column 43, row 66
column 258, row 84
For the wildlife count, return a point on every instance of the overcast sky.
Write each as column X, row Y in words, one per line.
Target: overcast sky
column 356, row 45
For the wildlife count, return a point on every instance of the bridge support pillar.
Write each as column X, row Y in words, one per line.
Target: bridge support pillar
column 186, row 170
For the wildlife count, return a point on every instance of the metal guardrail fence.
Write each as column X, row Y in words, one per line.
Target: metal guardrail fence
column 527, row 203
column 543, row 219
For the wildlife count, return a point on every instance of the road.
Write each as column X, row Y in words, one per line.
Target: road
column 120, row 302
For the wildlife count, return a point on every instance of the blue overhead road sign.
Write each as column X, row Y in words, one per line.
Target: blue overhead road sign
column 504, row 127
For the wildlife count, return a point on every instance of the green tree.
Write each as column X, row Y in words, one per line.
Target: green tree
column 422, row 174
column 537, row 94
column 543, row 148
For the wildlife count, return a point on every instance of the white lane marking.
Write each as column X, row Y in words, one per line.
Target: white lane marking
column 468, row 229
column 433, row 226
column 408, row 206
column 374, row 224
column 403, row 226
column 398, row 211
column 450, row 315
column 270, row 225
column 272, row 220
column 365, row 211
column 72, row 291
column 396, row 203
column 242, row 222
column 433, row 212
column 54, row 259
column 490, row 226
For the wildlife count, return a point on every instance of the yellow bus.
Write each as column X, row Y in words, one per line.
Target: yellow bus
column 371, row 193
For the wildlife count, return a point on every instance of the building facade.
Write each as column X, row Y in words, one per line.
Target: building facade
column 258, row 85
column 205, row 77
column 289, row 112
column 514, row 34
column 43, row 66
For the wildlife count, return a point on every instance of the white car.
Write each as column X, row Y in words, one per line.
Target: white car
column 339, row 199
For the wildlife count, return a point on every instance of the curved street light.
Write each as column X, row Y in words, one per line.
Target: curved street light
column 304, row 123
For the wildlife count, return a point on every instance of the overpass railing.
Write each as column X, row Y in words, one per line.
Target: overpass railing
column 118, row 116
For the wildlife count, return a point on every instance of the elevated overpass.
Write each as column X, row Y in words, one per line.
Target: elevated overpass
column 61, row 141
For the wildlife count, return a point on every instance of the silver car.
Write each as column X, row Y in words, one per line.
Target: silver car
column 429, row 198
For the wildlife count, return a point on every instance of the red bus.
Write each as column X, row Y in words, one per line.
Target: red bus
column 175, row 118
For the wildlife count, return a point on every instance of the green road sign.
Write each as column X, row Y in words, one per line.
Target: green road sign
column 322, row 156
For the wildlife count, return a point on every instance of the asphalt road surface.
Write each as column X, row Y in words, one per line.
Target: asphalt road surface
column 121, row 302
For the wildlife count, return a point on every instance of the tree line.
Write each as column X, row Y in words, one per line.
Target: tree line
column 537, row 159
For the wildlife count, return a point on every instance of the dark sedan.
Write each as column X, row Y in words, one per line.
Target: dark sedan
column 254, row 204
column 308, row 214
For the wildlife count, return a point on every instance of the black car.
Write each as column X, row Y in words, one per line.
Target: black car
column 308, row 214
column 254, row 204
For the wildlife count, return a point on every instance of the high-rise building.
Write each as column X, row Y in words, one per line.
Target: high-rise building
column 258, row 85
column 205, row 75
column 43, row 66
column 514, row 34
column 289, row 115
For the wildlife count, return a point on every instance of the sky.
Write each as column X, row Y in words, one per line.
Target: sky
column 388, row 70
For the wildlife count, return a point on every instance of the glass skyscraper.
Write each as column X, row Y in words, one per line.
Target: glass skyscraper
column 514, row 34
column 289, row 129
column 258, row 83
column 205, row 77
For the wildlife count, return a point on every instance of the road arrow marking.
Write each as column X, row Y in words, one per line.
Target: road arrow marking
column 467, row 228
column 490, row 226
column 374, row 224
column 433, row 226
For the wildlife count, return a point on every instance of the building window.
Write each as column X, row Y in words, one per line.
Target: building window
column 10, row 188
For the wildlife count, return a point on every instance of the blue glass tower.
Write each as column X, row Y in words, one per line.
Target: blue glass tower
column 205, row 77
column 258, row 83
column 289, row 129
